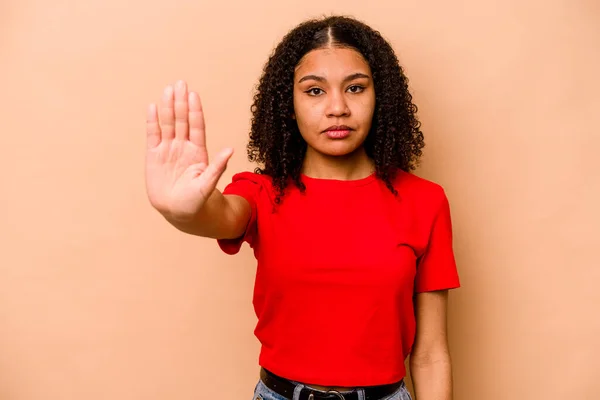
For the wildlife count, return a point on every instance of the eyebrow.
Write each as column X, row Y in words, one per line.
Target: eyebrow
column 322, row 79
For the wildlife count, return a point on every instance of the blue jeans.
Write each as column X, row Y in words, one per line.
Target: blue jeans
column 261, row 392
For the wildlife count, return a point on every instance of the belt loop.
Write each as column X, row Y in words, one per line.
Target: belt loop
column 361, row 394
column 297, row 391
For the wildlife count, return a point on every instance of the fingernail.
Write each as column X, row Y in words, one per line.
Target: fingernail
column 180, row 84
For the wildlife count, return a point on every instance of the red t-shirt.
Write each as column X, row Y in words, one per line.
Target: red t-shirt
column 338, row 267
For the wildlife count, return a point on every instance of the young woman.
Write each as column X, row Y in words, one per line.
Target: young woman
column 354, row 251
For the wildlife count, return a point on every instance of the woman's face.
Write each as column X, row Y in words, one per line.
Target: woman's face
column 334, row 100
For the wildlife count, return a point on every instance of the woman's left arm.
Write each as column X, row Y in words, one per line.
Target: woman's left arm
column 430, row 363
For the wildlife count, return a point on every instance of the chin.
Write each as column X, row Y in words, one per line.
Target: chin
column 339, row 149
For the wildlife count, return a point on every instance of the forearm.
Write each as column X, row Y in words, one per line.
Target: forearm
column 432, row 378
column 221, row 217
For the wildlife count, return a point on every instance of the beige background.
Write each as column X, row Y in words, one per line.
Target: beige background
column 101, row 299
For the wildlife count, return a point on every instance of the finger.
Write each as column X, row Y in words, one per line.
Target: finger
column 213, row 172
column 181, row 111
column 167, row 117
column 196, row 118
column 152, row 127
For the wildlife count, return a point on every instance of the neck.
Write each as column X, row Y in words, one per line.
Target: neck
column 356, row 165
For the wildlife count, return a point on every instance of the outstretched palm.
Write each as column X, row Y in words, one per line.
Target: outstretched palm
column 179, row 178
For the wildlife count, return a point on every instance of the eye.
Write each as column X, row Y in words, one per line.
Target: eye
column 356, row 88
column 314, row 91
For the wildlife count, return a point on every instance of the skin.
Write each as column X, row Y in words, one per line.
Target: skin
column 332, row 86
column 430, row 363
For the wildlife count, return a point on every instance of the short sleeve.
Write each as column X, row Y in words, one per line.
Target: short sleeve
column 248, row 186
column 436, row 268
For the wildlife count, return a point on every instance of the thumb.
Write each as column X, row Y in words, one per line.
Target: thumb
column 215, row 169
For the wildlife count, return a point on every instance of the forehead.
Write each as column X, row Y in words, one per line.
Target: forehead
column 332, row 62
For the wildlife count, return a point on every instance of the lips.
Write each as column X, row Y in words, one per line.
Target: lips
column 337, row 131
column 338, row 128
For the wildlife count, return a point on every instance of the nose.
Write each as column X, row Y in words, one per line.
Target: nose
column 337, row 105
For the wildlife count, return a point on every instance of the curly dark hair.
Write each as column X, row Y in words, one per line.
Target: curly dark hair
column 395, row 139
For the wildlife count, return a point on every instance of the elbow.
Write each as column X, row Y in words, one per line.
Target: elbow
column 428, row 358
